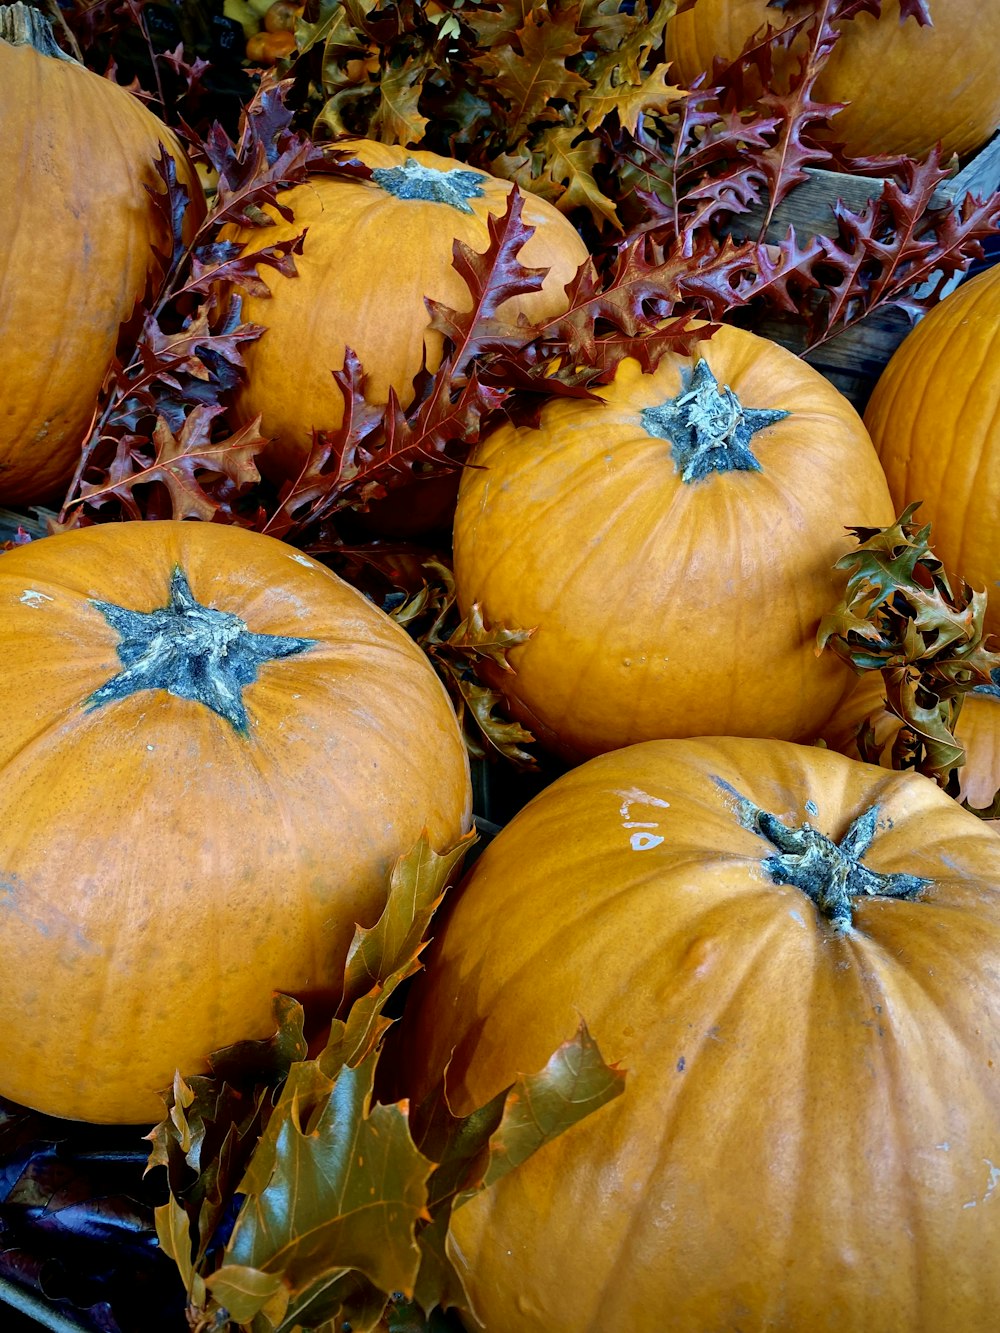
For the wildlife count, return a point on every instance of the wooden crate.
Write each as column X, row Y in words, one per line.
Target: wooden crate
column 853, row 360
column 32, row 521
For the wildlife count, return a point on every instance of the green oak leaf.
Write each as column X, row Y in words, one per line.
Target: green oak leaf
column 339, row 1186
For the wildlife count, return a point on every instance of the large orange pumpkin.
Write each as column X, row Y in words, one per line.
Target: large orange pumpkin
column 212, row 750
column 374, row 252
column 78, row 227
column 907, row 86
column 809, row 1137
column 978, row 730
column 672, row 547
column 934, row 417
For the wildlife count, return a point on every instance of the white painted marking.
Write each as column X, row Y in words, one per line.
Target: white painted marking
column 643, row 842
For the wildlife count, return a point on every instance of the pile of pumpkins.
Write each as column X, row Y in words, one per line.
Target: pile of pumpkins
column 213, row 750
column 268, row 28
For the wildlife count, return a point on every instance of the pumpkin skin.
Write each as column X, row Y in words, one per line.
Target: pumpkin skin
column 163, row 870
column 664, row 607
column 934, row 416
column 978, row 730
column 809, row 1128
column 369, row 261
column 76, row 157
column 875, row 67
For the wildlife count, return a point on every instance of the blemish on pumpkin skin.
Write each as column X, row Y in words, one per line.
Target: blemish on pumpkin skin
column 34, row 599
column 993, row 1180
column 699, row 956
column 15, row 899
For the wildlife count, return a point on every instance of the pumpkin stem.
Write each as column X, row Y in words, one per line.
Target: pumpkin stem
column 189, row 650
column 708, row 428
column 413, row 181
column 993, row 688
column 21, row 25
column 830, row 873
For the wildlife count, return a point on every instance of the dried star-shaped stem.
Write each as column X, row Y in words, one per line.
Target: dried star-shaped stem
column 413, row 181
column 190, row 650
column 828, row 872
column 708, row 428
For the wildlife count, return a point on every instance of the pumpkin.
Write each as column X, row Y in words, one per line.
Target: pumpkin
column 876, row 67
column 672, row 547
column 795, row 957
column 374, row 252
column 978, row 730
column 79, row 227
column 212, row 752
column 282, row 16
column 934, row 416
column 270, row 46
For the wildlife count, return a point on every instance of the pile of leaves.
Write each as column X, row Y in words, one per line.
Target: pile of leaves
column 573, row 101
column 902, row 616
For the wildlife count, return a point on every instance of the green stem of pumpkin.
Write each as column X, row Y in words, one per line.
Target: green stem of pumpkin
column 21, row 25
column 830, row 873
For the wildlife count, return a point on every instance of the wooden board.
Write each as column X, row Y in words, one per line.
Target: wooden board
column 854, row 359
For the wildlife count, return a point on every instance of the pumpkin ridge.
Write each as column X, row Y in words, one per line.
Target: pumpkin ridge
column 28, row 745
column 962, row 466
column 906, row 1187
column 943, row 1013
column 685, row 1083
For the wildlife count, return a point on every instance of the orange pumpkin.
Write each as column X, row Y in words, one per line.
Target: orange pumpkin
column 808, row 1134
column 268, row 47
column 934, row 416
column 76, row 158
column 374, row 252
column 673, row 549
column 907, row 86
column 978, row 730
column 212, row 751
column 282, row 16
